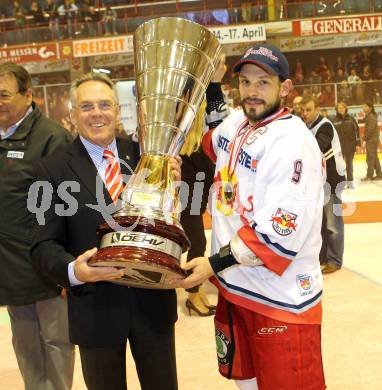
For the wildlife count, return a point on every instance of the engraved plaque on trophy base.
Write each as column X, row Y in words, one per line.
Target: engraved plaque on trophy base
column 149, row 255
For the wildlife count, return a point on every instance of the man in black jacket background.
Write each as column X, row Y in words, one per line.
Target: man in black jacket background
column 37, row 311
column 332, row 231
column 371, row 140
column 348, row 133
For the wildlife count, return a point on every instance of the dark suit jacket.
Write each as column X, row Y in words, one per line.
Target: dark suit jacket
column 100, row 313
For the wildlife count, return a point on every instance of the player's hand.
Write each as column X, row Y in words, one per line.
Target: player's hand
column 176, row 164
column 201, row 270
column 220, row 70
column 85, row 273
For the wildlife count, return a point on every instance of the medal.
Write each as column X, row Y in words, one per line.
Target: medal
column 229, row 191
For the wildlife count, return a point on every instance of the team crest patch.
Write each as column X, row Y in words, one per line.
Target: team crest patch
column 305, row 284
column 222, row 347
column 284, row 222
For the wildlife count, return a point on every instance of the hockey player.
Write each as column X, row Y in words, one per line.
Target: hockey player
column 332, row 250
column 267, row 209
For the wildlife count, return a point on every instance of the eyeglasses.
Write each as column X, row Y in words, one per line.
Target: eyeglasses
column 104, row 105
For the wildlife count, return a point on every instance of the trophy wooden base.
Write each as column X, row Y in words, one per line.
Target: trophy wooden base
column 149, row 254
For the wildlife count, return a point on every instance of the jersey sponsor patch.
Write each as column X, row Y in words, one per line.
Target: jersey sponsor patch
column 305, row 284
column 15, row 154
column 222, row 347
column 283, row 222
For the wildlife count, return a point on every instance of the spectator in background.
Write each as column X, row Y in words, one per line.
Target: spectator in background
column 377, row 5
column 297, row 106
column 314, row 78
column 377, row 95
column 332, row 231
column 371, row 141
column 259, row 11
column 109, row 19
column 299, row 79
column 321, row 8
column 51, row 14
column 327, row 77
column 37, row 13
column 354, row 82
column 67, row 12
column 92, row 19
column 19, row 15
column 376, row 63
column 235, row 15
column 340, row 75
column 38, row 21
column 326, row 97
column 348, row 133
column 367, row 85
column 364, row 58
column 299, row 70
column 246, row 11
column 353, row 64
column 321, row 68
column 339, row 64
column 344, row 92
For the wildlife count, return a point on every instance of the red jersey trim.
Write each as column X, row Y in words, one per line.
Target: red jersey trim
column 310, row 316
column 271, row 260
column 208, row 147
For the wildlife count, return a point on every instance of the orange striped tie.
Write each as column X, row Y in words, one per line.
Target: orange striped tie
column 113, row 176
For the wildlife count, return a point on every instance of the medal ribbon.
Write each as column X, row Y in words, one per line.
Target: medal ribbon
column 235, row 151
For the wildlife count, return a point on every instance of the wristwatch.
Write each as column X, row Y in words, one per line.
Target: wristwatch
column 223, row 259
column 225, row 251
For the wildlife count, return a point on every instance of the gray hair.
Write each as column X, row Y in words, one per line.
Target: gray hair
column 91, row 76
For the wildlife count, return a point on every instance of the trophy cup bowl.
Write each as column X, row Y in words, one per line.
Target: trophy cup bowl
column 174, row 62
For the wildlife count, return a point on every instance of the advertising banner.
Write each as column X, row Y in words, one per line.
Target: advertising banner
column 345, row 25
column 29, row 53
column 112, row 60
column 47, row 67
column 331, row 41
column 101, row 46
column 242, row 33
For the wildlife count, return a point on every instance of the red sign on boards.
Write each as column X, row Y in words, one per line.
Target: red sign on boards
column 353, row 24
column 29, row 53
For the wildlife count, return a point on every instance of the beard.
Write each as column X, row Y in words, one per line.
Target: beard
column 269, row 109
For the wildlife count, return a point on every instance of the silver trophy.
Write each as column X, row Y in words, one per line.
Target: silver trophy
column 174, row 62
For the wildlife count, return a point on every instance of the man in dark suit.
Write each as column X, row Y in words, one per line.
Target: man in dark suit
column 102, row 315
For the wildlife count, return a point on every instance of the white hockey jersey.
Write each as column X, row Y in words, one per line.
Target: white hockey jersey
column 269, row 190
